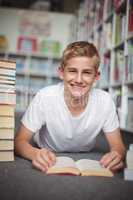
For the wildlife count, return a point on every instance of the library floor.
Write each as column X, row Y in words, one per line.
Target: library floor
column 19, row 181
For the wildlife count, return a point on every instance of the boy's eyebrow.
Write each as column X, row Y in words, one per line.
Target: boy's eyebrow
column 88, row 70
column 84, row 70
column 71, row 68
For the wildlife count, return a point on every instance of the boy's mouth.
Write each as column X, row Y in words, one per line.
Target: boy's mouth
column 78, row 87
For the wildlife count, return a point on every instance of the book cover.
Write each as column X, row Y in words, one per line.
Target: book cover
column 130, row 113
column 130, row 21
column 129, row 159
column 26, row 44
column 3, row 43
column 128, row 171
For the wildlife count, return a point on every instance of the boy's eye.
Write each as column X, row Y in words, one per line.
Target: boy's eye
column 71, row 70
column 87, row 72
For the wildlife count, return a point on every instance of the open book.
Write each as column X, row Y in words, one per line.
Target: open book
column 83, row 167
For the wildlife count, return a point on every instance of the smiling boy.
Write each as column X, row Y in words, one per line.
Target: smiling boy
column 72, row 114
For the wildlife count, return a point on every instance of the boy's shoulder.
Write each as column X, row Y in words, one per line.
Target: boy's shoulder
column 101, row 95
column 100, row 92
column 50, row 90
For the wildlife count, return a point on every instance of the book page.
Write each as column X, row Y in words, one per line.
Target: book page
column 92, row 168
column 64, row 165
column 63, row 161
column 85, row 164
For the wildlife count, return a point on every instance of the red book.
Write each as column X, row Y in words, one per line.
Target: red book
column 26, row 44
column 130, row 20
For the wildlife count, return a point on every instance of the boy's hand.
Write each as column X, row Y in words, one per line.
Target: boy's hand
column 44, row 159
column 112, row 160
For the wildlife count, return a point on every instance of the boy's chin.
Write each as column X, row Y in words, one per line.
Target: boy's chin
column 77, row 95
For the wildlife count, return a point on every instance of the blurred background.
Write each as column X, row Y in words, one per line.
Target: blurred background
column 66, row 6
column 34, row 33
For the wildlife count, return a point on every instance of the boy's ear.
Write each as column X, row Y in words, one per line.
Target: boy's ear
column 61, row 72
column 97, row 75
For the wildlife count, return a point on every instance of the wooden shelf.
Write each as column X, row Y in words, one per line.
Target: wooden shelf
column 116, row 85
column 130, row 37
column 112, row 32
column 128, row 82
column 32, row 54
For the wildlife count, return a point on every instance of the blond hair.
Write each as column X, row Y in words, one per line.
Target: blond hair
column 80, row 48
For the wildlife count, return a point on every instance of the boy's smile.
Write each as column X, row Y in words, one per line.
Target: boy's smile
column 78, row 75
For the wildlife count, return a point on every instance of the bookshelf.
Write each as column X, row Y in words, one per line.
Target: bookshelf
column 110, row 28
column 35, row 41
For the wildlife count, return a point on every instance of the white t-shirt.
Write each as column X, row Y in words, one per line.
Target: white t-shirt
column 63, row 132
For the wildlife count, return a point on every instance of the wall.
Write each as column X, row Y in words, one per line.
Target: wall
column 10, row 22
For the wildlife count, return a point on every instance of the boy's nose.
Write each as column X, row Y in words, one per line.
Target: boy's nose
column 78, row 78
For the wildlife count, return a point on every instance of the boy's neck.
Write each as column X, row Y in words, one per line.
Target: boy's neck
column 76, row 105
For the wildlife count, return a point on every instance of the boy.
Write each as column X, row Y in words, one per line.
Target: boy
column 72, row 113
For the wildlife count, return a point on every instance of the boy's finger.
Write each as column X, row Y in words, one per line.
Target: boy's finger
column 46, row 158
column 39, row 165
column 52, row 156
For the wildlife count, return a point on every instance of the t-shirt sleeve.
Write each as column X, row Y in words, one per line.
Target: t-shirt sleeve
column 34, row 117
column 111, row 120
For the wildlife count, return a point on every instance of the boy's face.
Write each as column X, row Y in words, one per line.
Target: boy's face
column 78, row 75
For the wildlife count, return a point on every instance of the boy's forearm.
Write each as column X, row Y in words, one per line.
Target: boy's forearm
column 120, row 149
column 116, row 143
column 25, row 150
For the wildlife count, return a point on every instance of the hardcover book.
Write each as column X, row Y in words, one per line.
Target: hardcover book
column 6, row 145
column 6, row 133
column 7, row 122
column 7, row 98
column 82, row 167
column 6, row 110
column 6, row 156
column 7, row 64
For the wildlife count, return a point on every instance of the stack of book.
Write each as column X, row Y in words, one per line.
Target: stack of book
column 128, row 171
column 7, row 109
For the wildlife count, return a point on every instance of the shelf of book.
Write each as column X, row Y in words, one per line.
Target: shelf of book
column 33, row 71
column 36, row 47
column 28, row 82
column 116, row 51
